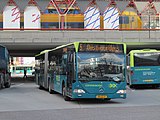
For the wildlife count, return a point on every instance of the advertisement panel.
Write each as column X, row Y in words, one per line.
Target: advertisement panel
column 111, row 18
column 92, row 18
column 32, row 17
column 11, row 17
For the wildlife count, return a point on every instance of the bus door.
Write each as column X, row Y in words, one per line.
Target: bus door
column 70, row 70
column 128, row 69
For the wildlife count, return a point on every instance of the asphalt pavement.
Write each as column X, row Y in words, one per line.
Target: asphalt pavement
column 25, row 101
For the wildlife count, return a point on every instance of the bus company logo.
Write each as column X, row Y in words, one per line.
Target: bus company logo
column 112, row 86
column 101, row 90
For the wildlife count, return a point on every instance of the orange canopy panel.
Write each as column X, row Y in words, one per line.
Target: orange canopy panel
column 55, row 18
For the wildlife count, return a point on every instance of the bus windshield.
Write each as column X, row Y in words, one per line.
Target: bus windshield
column 147, row 59
column 100, row 66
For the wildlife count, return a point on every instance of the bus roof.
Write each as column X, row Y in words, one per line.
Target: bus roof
column 143, row 51
column 140, row 51
column 76, row 44
column 2, row 46
column 43, row 52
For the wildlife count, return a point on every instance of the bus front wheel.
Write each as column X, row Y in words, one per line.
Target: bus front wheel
column 66, row 98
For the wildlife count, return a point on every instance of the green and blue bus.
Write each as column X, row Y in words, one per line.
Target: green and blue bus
column 144, row 68
column 83, row 70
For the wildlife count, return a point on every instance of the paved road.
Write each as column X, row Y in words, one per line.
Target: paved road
column 24, row 101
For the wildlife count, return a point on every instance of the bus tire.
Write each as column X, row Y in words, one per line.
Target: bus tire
column 40, row 87
column 0, row 83
column 66, row 98
column 7, row 85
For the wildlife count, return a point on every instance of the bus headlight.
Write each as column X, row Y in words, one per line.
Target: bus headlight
column 78, row 91
column 116, row 79
column 121, row 91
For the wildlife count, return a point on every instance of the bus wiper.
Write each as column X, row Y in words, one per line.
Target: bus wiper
column 102, row 79
column 98, row 79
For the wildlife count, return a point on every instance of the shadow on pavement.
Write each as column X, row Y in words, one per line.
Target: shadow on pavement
column 22, row 80
column 96, row 101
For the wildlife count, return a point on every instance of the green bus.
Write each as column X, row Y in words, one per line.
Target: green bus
column 83, row 70
column 144, row 68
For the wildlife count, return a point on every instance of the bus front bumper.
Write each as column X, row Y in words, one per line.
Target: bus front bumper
column 99, row 96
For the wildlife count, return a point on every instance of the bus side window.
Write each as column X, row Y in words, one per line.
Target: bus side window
column 58, row 65
column 42, row 67
column 63, row 64
column 52, row 64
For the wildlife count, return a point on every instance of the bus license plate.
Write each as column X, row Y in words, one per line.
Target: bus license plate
column 101, row 96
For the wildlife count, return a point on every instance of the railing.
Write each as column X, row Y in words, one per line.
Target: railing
column 74, row 29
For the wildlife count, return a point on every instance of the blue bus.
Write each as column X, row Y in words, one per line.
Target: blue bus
column 5, row 76
column 144, row 68
column 83, row 70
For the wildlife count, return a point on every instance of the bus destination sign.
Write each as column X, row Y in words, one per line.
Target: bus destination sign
column 93, row 47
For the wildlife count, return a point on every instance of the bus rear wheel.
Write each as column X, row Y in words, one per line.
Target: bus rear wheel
column 66, row 98
column 1, row 85
column 40, row 87
column 7, row 85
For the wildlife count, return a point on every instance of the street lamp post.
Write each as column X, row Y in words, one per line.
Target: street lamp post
column 149, row 13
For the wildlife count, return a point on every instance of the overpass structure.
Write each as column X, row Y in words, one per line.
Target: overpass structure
column 30, row 26
column 29, row 43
